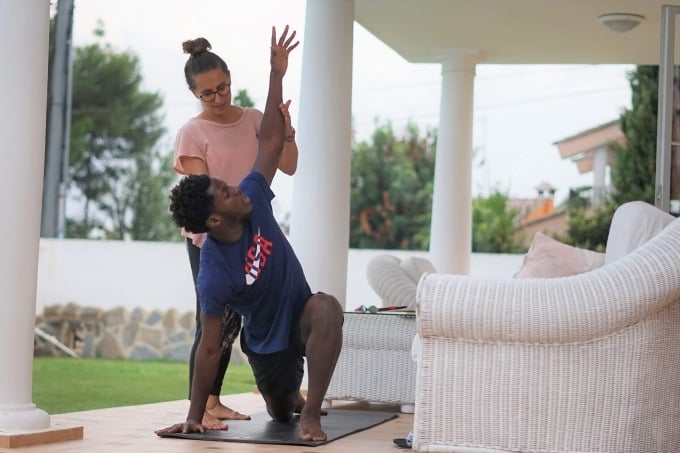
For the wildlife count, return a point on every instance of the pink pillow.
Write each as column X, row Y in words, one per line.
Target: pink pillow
column 548, row 258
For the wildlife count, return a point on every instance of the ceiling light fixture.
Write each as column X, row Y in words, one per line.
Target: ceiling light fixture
column 621, row 22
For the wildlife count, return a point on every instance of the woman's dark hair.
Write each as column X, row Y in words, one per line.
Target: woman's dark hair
column 191, row 204
column 201, row 60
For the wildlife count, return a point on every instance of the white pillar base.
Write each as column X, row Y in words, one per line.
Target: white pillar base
column 23, row 417
column 55, row 433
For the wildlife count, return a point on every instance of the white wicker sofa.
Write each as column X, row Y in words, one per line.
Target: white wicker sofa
column 586, row 363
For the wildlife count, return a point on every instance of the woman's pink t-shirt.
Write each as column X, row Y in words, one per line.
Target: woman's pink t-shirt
column 228, row 150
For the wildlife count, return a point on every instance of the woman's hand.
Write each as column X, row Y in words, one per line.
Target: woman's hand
column 289, row 130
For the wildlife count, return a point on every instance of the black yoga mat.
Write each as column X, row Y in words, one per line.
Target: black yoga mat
column 261, row 429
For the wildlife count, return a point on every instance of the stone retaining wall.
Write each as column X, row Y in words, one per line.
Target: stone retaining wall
column 119, row 334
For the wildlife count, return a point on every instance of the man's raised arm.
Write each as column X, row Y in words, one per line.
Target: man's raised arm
column 272, row 127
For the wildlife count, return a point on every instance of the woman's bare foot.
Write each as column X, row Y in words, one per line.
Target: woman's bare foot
column 310, row 428
column 219, row 411
column 211, row 422
column 301, row 405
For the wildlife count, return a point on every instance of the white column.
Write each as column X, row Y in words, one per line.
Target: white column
column 451, row 229
column 24, row 26
column 599, row 175
column 321, row 195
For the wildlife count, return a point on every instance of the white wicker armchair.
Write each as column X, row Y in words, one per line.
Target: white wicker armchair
column 588, row 363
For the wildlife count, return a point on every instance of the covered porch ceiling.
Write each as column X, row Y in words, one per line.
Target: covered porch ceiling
column 515, row 31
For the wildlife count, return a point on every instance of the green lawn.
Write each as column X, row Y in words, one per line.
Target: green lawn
column 68, row 385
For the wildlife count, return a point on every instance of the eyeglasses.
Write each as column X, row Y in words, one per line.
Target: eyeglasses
column 222, row 90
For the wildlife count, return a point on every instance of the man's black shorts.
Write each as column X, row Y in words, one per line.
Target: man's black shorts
column 279, row 373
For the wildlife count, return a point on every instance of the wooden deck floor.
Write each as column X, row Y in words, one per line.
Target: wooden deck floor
column 131, row 430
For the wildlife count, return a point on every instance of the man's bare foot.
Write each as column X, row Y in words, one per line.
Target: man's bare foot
column 301, row 404
column 310, row 428
column 211, row 422
column 222, row 412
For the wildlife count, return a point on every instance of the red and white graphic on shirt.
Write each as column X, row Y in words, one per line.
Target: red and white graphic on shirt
column 256, row 258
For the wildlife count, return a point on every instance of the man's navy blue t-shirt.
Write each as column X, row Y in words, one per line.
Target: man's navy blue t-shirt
column 259, row 275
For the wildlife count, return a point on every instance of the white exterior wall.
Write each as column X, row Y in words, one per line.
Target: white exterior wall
column 107, row 274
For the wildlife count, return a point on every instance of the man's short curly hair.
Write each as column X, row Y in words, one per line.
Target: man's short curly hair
column 191, row 204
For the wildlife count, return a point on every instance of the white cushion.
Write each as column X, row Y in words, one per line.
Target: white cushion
column 548, row 258
column 395, row 280
column 390, row 282
column 415, row 267
column 633, row 224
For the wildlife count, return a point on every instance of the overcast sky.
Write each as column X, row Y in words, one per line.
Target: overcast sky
column 520, row 111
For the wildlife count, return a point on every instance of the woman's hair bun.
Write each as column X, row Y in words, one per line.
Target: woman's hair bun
column 196, row 46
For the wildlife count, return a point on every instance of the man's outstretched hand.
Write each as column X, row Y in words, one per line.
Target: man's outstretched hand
column 280, row 50
column 185, row 428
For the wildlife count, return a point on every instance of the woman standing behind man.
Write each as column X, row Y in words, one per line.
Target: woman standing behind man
column 221, row 142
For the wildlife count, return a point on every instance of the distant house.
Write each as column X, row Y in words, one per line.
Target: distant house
column 592, row 151
column 539, row 214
